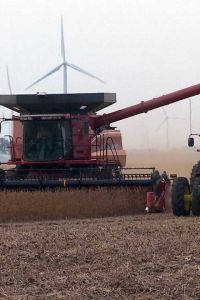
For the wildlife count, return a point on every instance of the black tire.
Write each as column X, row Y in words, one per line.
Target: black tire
column 194, row 172
column 192, row 176
column 180, row 188
column 196, row 197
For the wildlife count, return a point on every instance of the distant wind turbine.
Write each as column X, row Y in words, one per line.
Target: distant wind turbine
column 10, row 90
column 166, row 121
column 8, row 80
column 64, row 64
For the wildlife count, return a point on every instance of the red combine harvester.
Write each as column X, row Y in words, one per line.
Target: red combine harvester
column 60, row 140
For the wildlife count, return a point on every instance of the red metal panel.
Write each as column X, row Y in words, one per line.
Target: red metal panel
column 80, row 138
column 63, row 162
column 17, row 140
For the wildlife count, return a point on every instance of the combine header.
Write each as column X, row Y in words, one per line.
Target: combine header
column 61, row 141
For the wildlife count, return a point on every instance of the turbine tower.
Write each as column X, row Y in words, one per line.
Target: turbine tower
column 8, row 80
column 166, row 121
column 64, row 65
column 10, row 90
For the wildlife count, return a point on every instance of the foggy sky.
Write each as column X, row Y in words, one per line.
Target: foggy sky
column 141, row 48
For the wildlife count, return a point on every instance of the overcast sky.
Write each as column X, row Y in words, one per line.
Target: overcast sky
column 141, row 48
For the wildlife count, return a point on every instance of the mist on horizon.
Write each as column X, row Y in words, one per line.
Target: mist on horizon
column 142, row 49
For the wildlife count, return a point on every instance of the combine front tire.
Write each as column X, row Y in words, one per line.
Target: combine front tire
column 181, row 203
column 196, row 197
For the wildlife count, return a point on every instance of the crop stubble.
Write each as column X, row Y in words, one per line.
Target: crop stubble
column 132, row 257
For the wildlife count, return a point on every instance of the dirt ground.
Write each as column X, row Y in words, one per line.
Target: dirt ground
column 135, row 257
column 142, row 257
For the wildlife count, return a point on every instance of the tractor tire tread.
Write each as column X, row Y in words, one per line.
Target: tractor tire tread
column 194, row 172
column 196, row 198
column 178, row 188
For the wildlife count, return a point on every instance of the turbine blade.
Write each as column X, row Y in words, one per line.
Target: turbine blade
column 47, row 75
column 84, row 72
column 8, row 79
column 161, row 124
column 62, row 41
column 176, row 118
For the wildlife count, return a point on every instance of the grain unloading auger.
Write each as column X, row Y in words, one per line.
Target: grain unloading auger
column 60, row 141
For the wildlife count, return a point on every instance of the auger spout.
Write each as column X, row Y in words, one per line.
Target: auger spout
column 145, row 106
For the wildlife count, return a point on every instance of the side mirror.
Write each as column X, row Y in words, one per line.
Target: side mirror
column 190, row 141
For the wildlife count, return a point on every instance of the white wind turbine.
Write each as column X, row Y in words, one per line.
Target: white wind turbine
column 10, row 90
column 8, row 80
column 166, row 121
column 64, row 65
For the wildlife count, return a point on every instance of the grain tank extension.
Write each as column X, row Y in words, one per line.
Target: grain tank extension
column 61, row 140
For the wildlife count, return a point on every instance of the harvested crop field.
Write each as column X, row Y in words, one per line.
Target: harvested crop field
column 134, row 257
column 137, row 256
